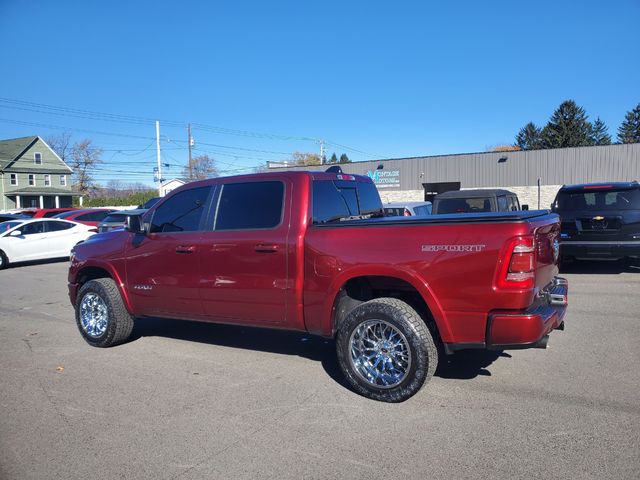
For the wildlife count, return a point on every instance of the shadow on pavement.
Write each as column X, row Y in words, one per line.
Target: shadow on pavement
column 463, row 365
column 603, row 267
column 467, row 364
column 38, row 262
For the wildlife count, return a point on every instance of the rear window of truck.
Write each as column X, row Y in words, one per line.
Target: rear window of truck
column 464, row 205
column 335, row 200
column 601, row 200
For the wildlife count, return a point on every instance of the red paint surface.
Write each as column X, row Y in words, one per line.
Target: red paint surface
column 289, row 276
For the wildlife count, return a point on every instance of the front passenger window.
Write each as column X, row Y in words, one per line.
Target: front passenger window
column 182, row 212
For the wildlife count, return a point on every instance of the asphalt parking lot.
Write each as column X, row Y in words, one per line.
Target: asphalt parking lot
column 186, row 400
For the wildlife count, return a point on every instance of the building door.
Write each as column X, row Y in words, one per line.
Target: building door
column 432, row 189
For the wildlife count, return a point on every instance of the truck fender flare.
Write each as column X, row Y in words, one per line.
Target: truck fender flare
column 114, row 275
column 422, row 287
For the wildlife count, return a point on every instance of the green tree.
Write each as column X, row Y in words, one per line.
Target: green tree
column 529, row 137
column 567, row 127
column 599, row 133
column 344, row 158
column 629, row 130
column 333, row 158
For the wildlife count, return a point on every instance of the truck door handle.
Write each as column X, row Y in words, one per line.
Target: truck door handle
column 266, row 248
column 185, row 249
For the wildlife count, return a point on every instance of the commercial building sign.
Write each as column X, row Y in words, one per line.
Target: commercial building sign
column 385, row 178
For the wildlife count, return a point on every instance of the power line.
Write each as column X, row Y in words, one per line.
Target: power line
column 131, row 119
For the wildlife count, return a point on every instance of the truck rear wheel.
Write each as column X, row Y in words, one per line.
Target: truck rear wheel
column 385, row 350
column 101, row 315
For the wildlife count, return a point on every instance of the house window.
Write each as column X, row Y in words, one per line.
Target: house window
column 63, row 180
column 47, row 180
column 32, row 179
column 14, row 179
column 37, row 158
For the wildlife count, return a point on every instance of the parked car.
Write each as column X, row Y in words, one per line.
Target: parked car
column 476, row 201
column 37, row 239
column 312, row 251
column 45, row 212
column 5, row 217
column 118, row 219
column 599, row 220
column 89, row 216
column 407, row 209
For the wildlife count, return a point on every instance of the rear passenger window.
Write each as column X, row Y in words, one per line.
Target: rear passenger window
column 250, row 205
column 182, row 212
column 502, row 204
column 57, row 226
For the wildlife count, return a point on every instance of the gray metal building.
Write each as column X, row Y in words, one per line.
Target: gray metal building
column 406, row 178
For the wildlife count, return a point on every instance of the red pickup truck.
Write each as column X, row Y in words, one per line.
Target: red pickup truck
column 313, row 252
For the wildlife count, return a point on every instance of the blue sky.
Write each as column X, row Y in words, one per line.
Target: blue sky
column 386, row 79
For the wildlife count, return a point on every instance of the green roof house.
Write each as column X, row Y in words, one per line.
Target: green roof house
column 32, row 175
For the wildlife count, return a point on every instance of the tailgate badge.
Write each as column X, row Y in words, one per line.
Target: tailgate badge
column 598, row 218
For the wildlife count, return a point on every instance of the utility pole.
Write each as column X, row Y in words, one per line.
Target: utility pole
column 321, row 152
column 158, row 158
column 190, row 161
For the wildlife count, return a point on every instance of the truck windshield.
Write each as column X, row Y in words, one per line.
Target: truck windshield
column 335, row 200
column 601, row 200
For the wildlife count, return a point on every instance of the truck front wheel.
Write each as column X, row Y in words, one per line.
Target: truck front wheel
column 101, row 316
column 385, row 350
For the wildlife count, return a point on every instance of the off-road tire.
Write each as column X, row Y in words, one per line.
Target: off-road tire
column 119, row 323
column 4, row 261
column 400, row 315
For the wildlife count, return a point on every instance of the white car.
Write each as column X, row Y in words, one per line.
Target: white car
column 37, row 239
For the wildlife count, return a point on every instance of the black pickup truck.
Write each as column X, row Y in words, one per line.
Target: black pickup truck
column 599, row 220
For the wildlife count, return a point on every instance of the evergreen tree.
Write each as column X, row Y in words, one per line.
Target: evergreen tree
column 529, row 137
column 567, row 127
column 629, row 131
column 344, row 158
column 599, row 134
column 333, row 158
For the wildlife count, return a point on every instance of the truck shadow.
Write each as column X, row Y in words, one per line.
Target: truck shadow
column 463, row 365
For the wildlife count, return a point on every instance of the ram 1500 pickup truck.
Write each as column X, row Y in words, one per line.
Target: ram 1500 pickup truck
column 313, row 252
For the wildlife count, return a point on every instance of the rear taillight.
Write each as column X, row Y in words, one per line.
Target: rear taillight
column 407, row 213
column 518, row 268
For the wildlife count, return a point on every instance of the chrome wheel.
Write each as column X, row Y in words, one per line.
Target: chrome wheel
column 380, row 353
column 94, row 316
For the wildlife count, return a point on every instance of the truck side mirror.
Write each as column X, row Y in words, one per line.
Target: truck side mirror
column 525, row 207
column 134, row 224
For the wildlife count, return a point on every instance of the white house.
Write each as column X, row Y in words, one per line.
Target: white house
column 170, row 185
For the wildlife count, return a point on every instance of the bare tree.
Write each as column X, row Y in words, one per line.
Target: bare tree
column 84, row 159
column 202, row 167
column 61, row 144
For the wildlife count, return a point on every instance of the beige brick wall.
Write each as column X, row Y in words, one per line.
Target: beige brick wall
column 526, row 194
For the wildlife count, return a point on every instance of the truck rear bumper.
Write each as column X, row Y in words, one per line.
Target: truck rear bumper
column 529, row 328
column 598, row 249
